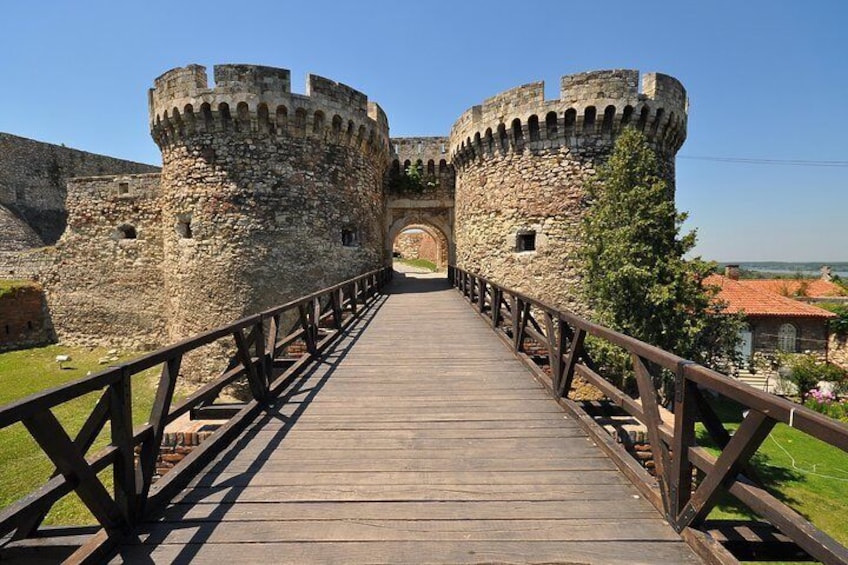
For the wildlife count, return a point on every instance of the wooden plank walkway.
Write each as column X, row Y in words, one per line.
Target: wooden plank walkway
column 420, row 439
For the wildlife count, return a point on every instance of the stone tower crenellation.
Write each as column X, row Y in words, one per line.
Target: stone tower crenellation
column 266, row 194
column 522, row 161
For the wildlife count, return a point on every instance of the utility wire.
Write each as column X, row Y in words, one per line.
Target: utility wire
column 753, row 161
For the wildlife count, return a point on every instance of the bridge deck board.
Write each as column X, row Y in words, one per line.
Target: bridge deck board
column 420, row 439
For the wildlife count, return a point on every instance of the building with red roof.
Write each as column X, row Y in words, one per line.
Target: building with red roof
column 776, row 323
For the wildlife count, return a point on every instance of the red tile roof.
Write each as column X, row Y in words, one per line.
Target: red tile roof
column 752, row 301
column 793, row 287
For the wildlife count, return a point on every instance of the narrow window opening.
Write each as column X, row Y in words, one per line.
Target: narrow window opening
column 589, row 120
column 349, row 238
column 570, row 119
column 533, row 127
column 8, row 329
column 125, row 231
column 184, row 226
column 609, row 116
column 123, row 188
column 29, row 325
column 551, row 124
column 525, row 241
column 517, row 132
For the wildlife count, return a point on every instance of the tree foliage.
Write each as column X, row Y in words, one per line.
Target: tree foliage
column 636, row 279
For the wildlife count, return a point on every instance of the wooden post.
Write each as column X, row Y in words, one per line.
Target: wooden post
column 123, row 469
column 253, row 377
column 680, row 477
column 574, row 354
column 481, row 298
column 497, row 297
column 650, row 408
column 516, row 324
column 158, row 419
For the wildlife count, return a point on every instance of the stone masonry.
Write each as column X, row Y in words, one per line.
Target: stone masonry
column 266, row 194
column 33, row 177
column 522, row 162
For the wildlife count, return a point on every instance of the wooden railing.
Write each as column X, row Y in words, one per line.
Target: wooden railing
column 258, row 340
column 561, row 334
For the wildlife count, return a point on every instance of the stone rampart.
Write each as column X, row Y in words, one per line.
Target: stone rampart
column 32, row 182
column 106, row 286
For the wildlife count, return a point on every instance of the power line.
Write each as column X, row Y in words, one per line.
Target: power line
column 753, row 161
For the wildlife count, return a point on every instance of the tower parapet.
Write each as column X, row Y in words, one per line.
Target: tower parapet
column 522, row 164
column 593, row 108
column 251, row 98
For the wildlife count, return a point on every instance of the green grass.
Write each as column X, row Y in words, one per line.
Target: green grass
column 420, row 263
column 806, row 474
column 23, row 466
column 8, row 287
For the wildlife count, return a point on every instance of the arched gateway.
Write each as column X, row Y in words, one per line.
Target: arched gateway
column 420, row 189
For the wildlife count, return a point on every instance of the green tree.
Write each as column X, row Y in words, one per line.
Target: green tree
column 636, row 279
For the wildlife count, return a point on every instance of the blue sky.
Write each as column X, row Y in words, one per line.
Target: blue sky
column 766, row 80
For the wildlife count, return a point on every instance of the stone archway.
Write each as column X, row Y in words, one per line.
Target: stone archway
column 435, row 227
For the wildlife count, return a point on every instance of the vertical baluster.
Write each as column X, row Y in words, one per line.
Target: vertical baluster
column 120, row 409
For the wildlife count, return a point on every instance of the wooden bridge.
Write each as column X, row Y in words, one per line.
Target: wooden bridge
column 416, row 429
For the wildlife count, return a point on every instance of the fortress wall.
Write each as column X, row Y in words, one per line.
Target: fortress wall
column 17, row 235
column 522, row 163
column 33, row 176
column 283, row 193
column 430, row 155
column 106, row 285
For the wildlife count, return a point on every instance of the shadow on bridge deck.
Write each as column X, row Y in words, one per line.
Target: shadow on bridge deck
column 419, row 438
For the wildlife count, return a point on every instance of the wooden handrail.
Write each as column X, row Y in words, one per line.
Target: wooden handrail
column 676, row 453
column 132, row 452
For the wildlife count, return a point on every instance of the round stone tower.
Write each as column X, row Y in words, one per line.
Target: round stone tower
column 522, row 162
column 267, row 195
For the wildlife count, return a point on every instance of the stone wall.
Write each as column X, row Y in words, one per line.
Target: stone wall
column 106, row 285
column 812, row 334
column 267, row 195
column 17, row 234
column 32, row 182
column 24, row 321
column 522, row 163
column 417, row 245
column 837, row 350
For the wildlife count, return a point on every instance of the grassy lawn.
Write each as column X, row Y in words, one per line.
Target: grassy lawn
column 806, row 474
column 10, row 286
column 420, row 263
column 25, row 372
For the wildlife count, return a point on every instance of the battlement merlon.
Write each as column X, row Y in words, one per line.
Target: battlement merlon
column 662, row 97
column 260, row 100
column 413, row 149
column 182, row 87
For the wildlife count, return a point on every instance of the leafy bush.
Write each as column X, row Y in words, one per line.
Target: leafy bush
column 806, row 371
column 838, row 325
